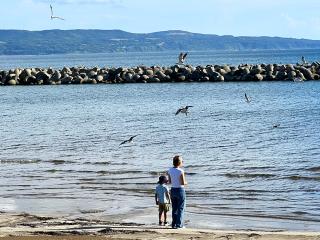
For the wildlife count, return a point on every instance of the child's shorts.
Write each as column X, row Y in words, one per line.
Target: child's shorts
column 164, row 207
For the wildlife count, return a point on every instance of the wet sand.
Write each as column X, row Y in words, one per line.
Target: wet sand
column 30, row 227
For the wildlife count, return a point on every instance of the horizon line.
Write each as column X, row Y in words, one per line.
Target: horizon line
column 172, row 30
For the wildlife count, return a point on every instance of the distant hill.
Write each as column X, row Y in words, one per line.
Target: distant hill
column 20, row 42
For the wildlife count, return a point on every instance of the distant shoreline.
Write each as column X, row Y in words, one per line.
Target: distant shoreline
column 55, row 41
column 157, row 74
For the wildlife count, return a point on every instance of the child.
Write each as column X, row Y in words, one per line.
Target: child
column 162, row 198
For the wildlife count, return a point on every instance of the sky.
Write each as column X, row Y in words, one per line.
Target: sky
column 283, row 18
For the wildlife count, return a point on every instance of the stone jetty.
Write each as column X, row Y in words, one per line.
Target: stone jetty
column 157, row 74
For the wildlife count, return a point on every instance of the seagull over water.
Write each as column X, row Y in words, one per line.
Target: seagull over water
column 54, row 17
column 129, row 140
column 183, row 110
column 182, row 58
column 248, row 100
column 276, row 125
column 303, row 60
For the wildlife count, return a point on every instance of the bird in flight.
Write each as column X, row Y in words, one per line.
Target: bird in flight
column 129, row 140
column 183, row 110
column 54, row 17
column 248, row 100
column 276, row 125
column 182, row 58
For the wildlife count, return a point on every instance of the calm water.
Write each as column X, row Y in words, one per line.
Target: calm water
column 60, row 154
column 160, row 58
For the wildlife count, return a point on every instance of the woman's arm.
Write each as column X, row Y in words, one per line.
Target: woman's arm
column 183, row 180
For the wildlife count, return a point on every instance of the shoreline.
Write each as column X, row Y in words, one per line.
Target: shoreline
column 157, row 74
column 26, row 226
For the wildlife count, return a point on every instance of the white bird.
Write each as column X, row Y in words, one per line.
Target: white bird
column 55, row 17
column 248, row 100
column 276, row 125
column 129, row 140
column 183, row 110
column 182, row 58
column 298, row 79
column 303, row 60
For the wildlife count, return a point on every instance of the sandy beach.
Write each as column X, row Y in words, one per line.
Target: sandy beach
column 27, row 227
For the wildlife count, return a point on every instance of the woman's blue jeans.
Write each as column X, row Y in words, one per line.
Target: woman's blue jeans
column 178, row 200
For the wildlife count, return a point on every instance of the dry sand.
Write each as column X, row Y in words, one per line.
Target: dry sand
column 29, row 227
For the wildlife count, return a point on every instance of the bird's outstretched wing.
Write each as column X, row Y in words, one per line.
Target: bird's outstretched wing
column 123, row 142
column 180, row 58
column 179, row 110
column 188, row 107
column 51, row 10
column 59, row 18
column 184, row 56
column 132, row 137
column 247, row 98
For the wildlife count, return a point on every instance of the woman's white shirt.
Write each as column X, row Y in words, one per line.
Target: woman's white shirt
column 175, row 176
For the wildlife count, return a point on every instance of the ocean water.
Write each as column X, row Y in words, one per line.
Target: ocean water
column 60, row 153
column 160, row 58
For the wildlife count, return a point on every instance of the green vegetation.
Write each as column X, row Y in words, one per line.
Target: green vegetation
column 20, row 42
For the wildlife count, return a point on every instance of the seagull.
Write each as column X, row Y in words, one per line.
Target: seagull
column 276, row 125
column 55, row 17
column 182, row 58
column 298, row 79
column 248, row 100
column 303, row 60
column 183, row 110
column 129, row 140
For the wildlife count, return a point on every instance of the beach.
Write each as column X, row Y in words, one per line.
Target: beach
column 31, row 227
column 61, row 158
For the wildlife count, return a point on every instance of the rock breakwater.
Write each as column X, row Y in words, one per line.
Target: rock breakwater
column 157, row 74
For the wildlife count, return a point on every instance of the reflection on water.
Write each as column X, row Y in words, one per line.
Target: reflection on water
column 60, row 148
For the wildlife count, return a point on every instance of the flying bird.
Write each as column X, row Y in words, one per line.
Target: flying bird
column 248, row 100
column 276, row 125
column 129, row 140
column 182, row 58
column 183, row 110
column 55, row 17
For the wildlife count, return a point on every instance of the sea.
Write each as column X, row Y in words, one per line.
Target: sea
column 60, row 152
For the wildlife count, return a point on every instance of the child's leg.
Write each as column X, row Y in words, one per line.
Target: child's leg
column 160, row 216
column 165, row 216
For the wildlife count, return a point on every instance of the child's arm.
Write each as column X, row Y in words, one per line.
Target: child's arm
column 169, row 178
column 168, row 196
column 156, row 198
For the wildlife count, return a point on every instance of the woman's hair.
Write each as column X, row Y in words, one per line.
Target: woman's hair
column 177, row 160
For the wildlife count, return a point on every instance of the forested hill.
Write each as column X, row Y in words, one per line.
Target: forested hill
column 20, row 42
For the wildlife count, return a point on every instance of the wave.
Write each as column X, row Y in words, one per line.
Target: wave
column 249, row 175
column 307, row 178
column 19, row 161
column 58, row 162
column 98, row 163
column 296, row 217
column 314, row 169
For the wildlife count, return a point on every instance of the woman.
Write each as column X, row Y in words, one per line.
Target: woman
column 178, row 195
